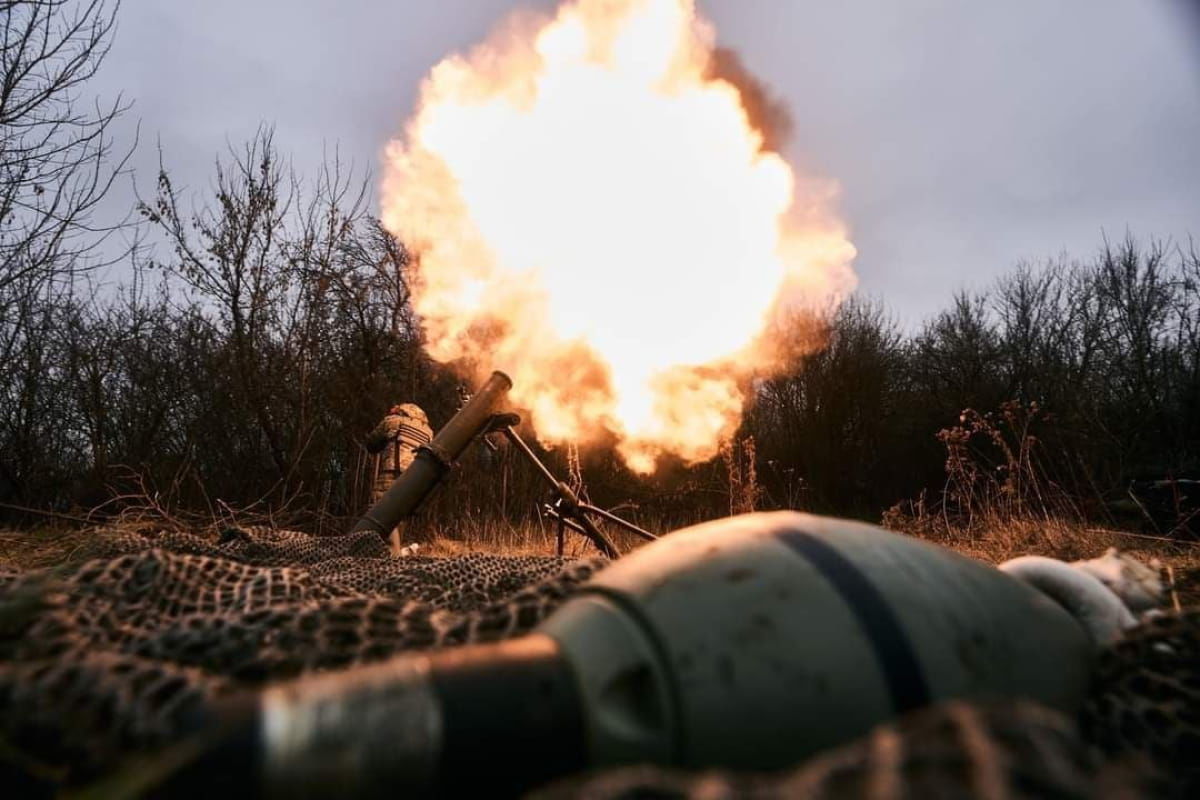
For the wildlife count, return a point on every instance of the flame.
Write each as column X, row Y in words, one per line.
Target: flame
column 595, row 214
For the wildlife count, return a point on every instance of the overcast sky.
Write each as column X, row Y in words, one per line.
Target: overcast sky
column 966, row 136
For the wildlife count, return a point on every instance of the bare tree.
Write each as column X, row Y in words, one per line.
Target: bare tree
column 56, row 159
column 304, row 298
column 56, row 166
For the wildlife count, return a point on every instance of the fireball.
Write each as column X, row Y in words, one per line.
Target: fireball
column 593, row 211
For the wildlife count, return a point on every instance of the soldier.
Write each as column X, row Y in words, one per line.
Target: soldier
column 396, row 439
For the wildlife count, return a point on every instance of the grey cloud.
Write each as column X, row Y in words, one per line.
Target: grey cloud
column 965, row 136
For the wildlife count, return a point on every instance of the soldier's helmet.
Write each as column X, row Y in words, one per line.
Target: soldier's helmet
column 410, row 410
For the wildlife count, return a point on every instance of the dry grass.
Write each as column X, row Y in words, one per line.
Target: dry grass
column 998, row 538
column 529, row 537
column 51, row 545
column 990, row 539
column 999, row 502
column 40, row 547
column 993, row 541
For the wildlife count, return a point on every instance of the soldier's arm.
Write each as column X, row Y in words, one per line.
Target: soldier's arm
column 383, row 433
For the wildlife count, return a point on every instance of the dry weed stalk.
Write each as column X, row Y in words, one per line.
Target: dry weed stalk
column 993, row 469
column 136, row 503
column 745, row 493
column 997, row 495
column 999, row 502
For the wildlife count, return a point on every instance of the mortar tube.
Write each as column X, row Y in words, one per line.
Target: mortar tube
column 433, row 460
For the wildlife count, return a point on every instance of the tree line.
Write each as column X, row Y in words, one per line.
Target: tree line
column 1086, row 371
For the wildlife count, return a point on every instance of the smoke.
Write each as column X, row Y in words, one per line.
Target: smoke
column 767, row 113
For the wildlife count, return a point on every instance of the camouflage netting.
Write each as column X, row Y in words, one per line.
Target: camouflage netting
column 955, row 750
column 124, row 650
column 127, row 648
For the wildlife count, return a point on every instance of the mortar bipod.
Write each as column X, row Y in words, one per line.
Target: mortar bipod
column 565, row 506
